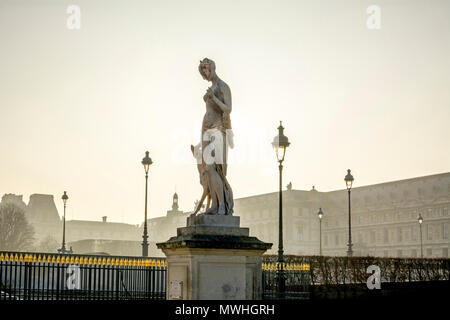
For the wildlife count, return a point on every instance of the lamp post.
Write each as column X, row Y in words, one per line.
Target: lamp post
column 64, row 198
column 320, row 215
column 146, row 162
column 280, row 143
column 349, row 181
column 420, row 219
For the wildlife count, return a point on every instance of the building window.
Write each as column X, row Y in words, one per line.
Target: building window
column 414, row 253
column 372, row 236
column 399, row 235
column 385, row 236
column 414, row 233
column 445, row 252
column 445, row 231
column 337, row 239
column 399, row 253
column 429, row 252
column 430, row 232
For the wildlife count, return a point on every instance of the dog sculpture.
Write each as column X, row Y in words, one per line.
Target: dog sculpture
column 197, row 153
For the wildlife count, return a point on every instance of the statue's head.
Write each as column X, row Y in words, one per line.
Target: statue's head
column 207, row 69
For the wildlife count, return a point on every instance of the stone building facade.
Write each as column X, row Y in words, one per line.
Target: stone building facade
column 43, row 215
column 384, row 218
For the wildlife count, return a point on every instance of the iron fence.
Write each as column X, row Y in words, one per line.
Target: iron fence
column 44, row 276
column 346, row 277
column 297, row 279
column 344, row 270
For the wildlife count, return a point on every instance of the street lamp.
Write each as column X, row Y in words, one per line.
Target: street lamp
column 280, row 143
column 320, row 215
column 420, row 219
column 146, row 162
column 349, row 181
column 64, row 198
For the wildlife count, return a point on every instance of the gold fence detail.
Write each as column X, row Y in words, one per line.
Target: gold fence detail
column 286, row 266
column 41, row 258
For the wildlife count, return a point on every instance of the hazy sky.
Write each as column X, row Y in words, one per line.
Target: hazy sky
column 78, row 108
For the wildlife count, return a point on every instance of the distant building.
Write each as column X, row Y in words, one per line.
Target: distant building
column 113, row 247
column 43, row 215
column 384, row 221
column 162, row 228
column 384, row 218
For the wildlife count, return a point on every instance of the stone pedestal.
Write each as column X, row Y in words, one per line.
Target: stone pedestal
column 212, row 258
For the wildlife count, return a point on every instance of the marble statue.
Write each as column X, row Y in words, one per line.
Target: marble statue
column 216, row 138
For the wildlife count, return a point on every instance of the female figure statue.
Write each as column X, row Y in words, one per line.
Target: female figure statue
column 215, row 139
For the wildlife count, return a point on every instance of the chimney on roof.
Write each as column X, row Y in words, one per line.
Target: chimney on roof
column 104, row 218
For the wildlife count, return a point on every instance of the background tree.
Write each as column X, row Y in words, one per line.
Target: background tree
column 16, row 233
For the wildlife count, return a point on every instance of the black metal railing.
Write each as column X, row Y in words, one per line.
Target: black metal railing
column 342, row 270
column 46, row 276
column 297, row 280
column 330, row 276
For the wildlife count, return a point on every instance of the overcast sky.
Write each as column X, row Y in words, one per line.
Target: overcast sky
column 79, row 108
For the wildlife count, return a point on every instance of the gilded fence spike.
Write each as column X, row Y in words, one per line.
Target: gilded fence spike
column 21, row 258
column 1, row 257
column 77, row 261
